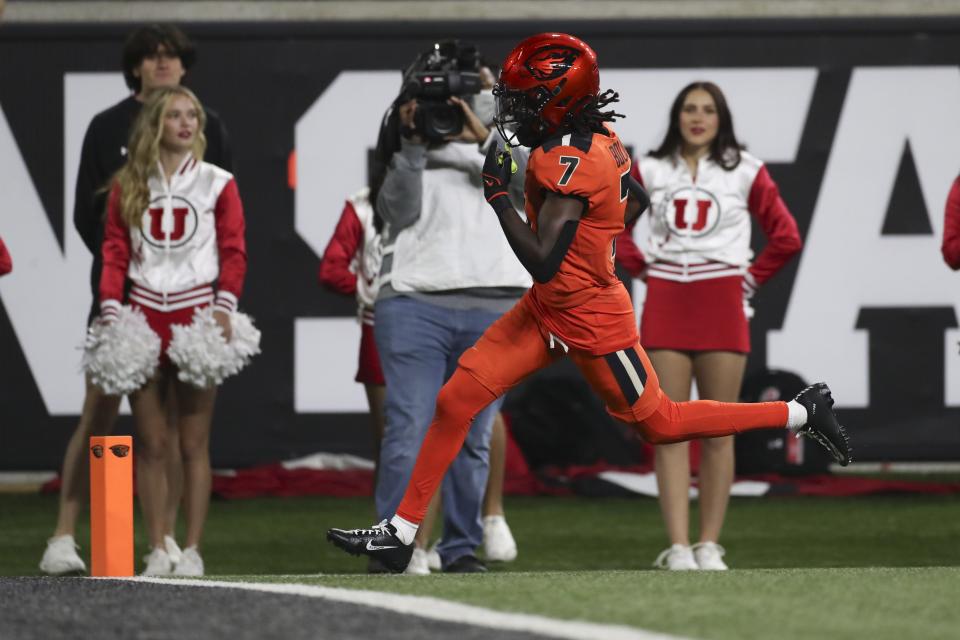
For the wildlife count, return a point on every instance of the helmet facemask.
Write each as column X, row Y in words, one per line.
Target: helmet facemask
column 518, row 114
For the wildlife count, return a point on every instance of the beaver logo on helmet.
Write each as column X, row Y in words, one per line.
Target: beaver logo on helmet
column 548, row 83
column 551, row 62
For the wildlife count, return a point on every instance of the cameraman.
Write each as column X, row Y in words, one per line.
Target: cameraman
column 447, row 274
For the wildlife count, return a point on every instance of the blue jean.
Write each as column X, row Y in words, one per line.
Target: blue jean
column 419, row 345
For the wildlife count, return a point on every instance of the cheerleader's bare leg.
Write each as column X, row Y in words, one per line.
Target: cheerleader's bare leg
column 195, row 417
column 719, row 376
column 672, row 461
column 149, row 405
column 174, row 465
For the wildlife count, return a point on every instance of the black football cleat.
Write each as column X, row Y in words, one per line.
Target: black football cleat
column 379, row 542
column 822, row 425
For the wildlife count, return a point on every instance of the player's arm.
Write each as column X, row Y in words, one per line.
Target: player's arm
column 637, row 198
column 540, row 252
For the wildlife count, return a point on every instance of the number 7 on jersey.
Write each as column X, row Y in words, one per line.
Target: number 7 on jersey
column 571, row 162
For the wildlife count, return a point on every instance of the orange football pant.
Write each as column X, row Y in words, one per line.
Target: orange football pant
column 516, row 346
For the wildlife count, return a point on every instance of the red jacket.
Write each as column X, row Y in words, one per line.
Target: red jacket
column 761, row 199
column 951, row 227
column 6, row 264
column 191, row 236
column 335, row 267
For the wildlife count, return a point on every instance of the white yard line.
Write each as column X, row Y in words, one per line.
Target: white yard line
column 434, row 609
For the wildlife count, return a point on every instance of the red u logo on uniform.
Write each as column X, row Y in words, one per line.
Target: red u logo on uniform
column 680, row 205
column 179, row 224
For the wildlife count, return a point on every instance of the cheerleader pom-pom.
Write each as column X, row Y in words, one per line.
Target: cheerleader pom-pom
column 121, row 356
column 245, row 340
column 203, row 356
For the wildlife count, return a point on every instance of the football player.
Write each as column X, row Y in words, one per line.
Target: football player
column 579, row 195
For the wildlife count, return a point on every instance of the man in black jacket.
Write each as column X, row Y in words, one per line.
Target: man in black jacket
column 154, row 57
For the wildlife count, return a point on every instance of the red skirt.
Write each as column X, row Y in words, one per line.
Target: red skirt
column 162, row 324
column 369, row 371
column 705, row 315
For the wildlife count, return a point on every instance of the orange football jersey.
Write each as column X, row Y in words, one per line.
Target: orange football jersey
column 585, row 304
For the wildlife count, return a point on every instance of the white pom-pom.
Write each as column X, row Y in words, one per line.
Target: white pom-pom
column 121, row 356
column 203, row 356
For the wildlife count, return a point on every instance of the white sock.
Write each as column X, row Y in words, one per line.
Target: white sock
column 796, row 416
column 406, row 530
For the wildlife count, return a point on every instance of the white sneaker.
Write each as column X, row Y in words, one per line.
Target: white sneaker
column 678, row 557
column 709, row 556
column 190, row 565
column 172, row 548
column 498, row 542
column 418, row 563
column 158, row 563
column 434, row 563
column 60, row 557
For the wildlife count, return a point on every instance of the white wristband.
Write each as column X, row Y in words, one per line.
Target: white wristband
column 226, row 302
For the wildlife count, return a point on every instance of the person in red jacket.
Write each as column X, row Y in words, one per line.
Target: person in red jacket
column 175, row 234
column 6, row 263
column 705, row 190
column 153, row 56
column 951, row 228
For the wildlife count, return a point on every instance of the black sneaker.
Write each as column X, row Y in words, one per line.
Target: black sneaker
column 380, row 543
column 822, row 425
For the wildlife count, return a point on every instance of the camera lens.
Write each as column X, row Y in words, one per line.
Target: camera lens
column 438, row 120
column 446, row 121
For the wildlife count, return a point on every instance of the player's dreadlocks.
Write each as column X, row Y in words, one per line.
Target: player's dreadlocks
column 590, row 118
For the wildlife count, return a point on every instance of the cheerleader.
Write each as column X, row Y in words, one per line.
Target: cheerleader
column 704, row 190
column 351, row 266
column 175, row 231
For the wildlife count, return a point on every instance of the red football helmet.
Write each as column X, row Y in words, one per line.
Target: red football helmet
column 545, row 81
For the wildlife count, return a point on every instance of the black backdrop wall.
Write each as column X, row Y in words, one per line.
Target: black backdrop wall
column 263, row 78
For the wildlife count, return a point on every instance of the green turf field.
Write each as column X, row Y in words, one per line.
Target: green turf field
column 875, row 603
column 879, row 567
